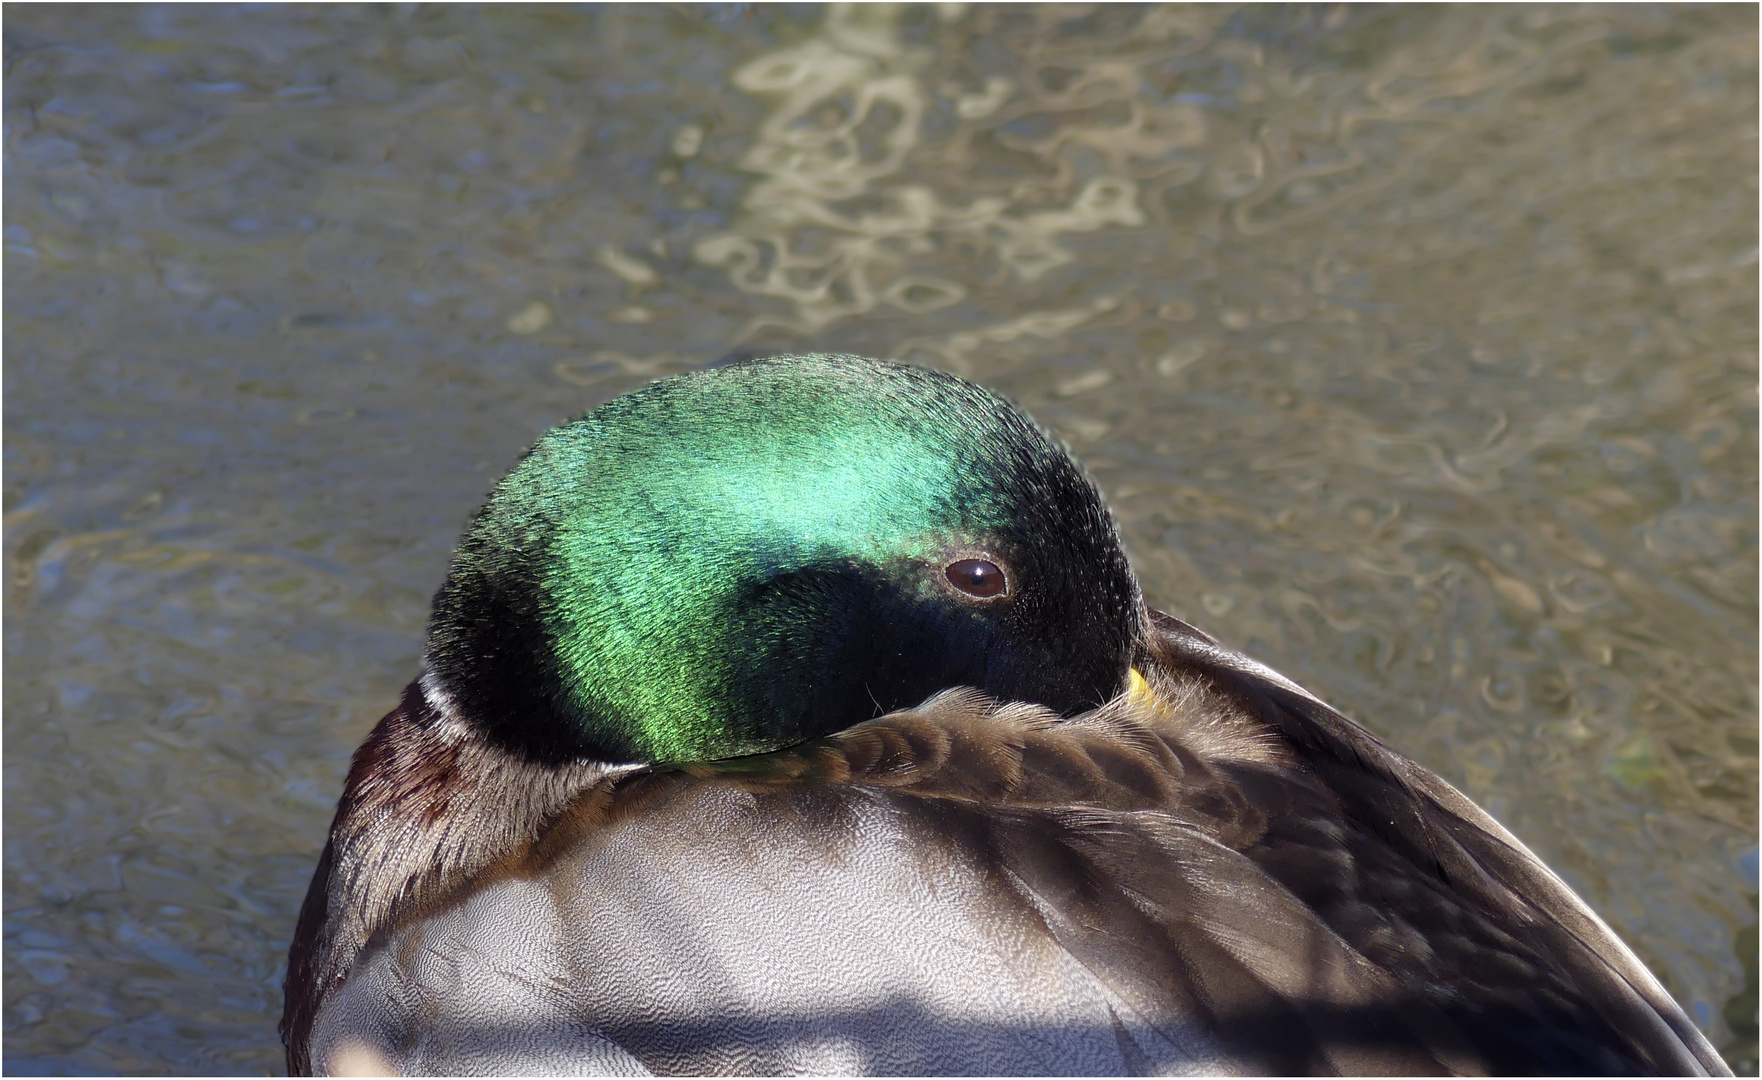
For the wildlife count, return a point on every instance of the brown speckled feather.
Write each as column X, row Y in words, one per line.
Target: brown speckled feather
column 1220, row 876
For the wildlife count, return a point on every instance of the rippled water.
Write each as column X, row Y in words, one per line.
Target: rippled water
column 1416, row 348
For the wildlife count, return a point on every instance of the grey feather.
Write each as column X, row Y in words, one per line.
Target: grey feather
column 1226, row 877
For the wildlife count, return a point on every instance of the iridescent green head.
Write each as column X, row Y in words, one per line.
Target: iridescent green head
column 742, row 558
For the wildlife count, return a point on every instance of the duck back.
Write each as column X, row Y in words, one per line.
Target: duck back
column 1217, row 874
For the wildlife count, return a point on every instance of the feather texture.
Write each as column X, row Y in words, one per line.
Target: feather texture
column 1220, row 875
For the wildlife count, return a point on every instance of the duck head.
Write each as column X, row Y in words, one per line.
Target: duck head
column 739, row 559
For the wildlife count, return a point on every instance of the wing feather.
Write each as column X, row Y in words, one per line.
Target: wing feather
column 1220, row 875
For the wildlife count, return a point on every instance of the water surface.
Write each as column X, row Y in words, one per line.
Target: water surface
column 1416, row 348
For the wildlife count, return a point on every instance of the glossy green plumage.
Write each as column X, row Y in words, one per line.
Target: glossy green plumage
column 681, row 574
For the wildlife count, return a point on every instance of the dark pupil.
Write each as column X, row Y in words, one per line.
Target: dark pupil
column 976, row 577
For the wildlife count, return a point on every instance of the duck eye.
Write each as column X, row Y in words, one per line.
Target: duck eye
column 976, row 577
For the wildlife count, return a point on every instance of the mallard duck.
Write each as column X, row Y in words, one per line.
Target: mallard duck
column 804, row 715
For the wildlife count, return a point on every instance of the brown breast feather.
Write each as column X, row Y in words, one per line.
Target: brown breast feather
column 1224, row 847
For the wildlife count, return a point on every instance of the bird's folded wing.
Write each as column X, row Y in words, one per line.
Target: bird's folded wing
column 1428, row 886
column 1217, row 874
